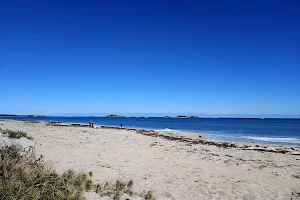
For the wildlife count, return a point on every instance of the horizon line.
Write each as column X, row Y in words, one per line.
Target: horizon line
column 172, row 115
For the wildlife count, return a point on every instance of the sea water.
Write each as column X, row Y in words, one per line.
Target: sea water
column 273, row 131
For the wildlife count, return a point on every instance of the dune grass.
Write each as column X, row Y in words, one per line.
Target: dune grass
column 115, row 189
column 23, row 175
column 147, row 195
column 15, row 134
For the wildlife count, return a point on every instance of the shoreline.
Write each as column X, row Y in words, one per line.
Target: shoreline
column 189, row 138
column 260, row 139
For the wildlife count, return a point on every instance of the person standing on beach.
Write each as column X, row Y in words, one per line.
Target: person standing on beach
column 91, row 124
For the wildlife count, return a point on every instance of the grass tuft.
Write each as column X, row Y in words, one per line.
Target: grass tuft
column 91, row 173
column 15, row 134
column 148, row 195
column 115, row 189
column 23, row 176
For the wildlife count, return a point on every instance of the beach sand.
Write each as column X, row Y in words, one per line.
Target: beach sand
column 171, row 168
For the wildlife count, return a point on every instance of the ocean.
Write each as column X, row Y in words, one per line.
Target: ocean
column 270, row 131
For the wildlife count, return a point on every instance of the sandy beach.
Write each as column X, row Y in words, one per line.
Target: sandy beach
column 172, row 166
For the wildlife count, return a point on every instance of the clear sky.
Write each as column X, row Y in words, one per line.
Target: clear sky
column 208, row 57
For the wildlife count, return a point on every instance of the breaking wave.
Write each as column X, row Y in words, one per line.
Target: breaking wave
column 166, row 130
column 275, row 139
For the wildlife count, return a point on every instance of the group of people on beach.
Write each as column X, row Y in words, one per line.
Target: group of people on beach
column 50, row 122
column 92, row 124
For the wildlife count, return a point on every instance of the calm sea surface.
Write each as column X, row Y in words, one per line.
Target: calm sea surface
column 279, row 131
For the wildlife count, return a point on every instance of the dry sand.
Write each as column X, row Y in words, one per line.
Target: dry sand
column 172, row 169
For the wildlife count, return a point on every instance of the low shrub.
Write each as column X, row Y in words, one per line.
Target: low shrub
column 115, row 189
column 148, row 195
column 24, row 176
column 15, row 134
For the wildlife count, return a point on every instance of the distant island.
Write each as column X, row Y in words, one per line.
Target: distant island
column 31, row 115
column 167, row 117
column 181, row 116
column 115, row 116
column 10, row 115
column 7, row 115
column 194, row 117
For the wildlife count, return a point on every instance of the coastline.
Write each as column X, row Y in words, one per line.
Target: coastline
column 187, row 137
column 172, row 166
column 232, row 130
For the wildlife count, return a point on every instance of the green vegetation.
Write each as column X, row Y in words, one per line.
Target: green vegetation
column 15, row 134
column 148, row 195
column 115, row 189
column 23, row 175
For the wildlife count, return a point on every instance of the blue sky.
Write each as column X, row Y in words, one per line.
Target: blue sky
column 207, row 57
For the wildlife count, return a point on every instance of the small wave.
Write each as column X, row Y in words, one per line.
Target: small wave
column 166, row 130
column 275, row 139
